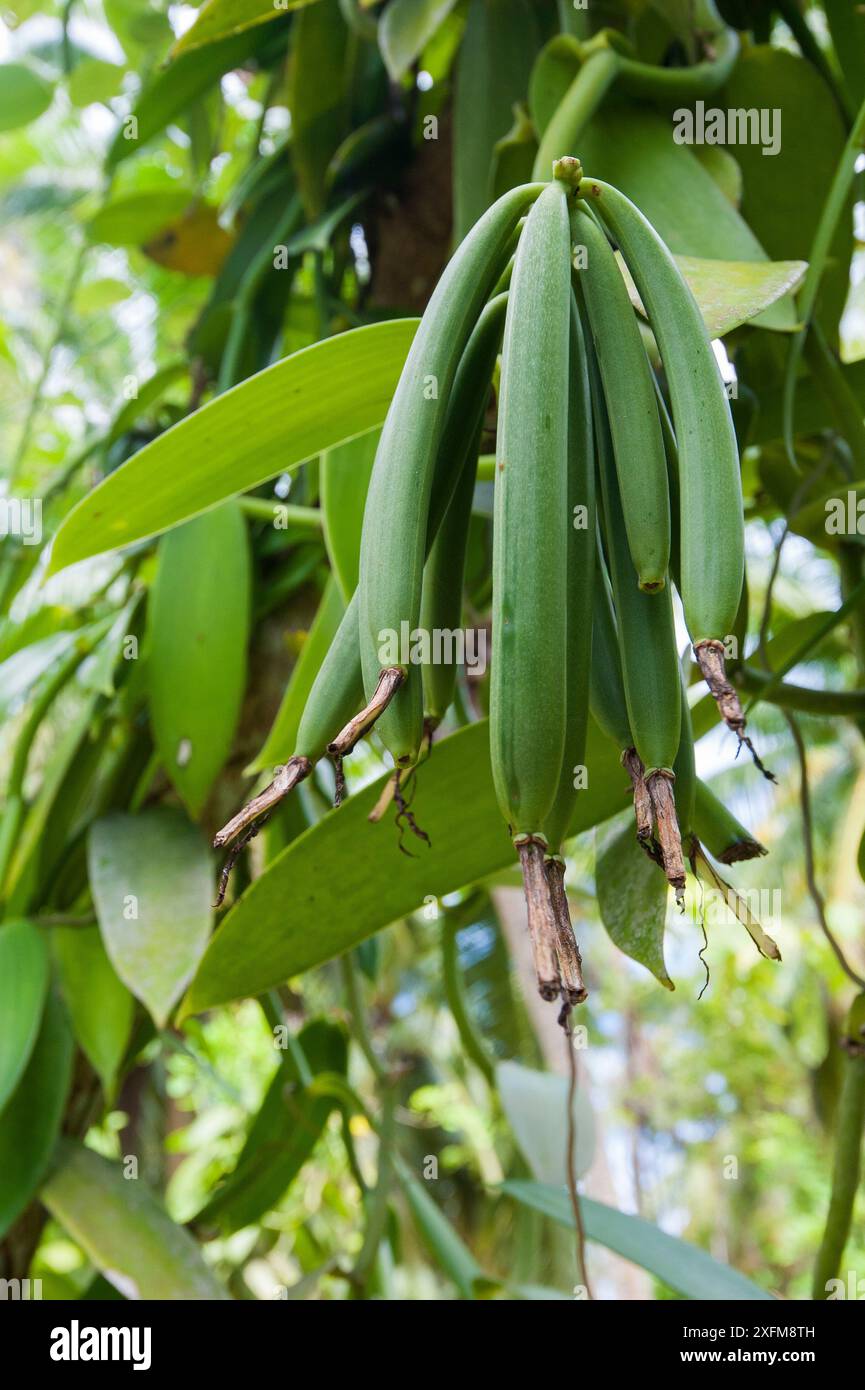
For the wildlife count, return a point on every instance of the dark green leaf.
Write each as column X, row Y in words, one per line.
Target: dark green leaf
column 438, row 1235
column 406, row 27
column 345, row 475
column 318, row 97
column 23, row 982
column 632, row 898
column 30, row 1123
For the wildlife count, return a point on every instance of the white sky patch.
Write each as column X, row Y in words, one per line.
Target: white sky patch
column 725, row 366
column 181, row 18
column 424, row 80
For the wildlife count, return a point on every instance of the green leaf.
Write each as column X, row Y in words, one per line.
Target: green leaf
column 633, row 148
column 24, row 95
column 318, row 97
column 176, row 87
column 120, row 1225
column 632, row 898
column 493, row 68
column 730, row 293
column 94, row 80
column 23, row 983
column 270, row 424
column 283, row 1134
column 100, row 1006
column 345, row 877
column 280, row 742
column 198, row 635
column 438, row 1235
column 345, row 475
column 677, row 1263
column 536, row 1105
column 136, row 217
column 98, row 295
column 151, row 879
column 217, row 19
column 405, row 28
column 30, row 1123
column 812, row 139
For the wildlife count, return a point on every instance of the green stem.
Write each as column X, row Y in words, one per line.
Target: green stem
column 263, row 509
column 577, row 108
column 810, row 644
column 358, row 1018
column 472, row 1042
column 377, row 1201
column 848, row 704
column 845, row 1176
column 845, row 409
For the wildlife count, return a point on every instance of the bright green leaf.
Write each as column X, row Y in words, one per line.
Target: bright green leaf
column 197, row 640
column 23, row 982
column 152, row 883
column 677, row 1263
column 30, row 1123
column 120, row 1225
column 100, row 1006
column 217, row 19
column 272, row 423
column 94, row 80
column 24, row 95
column 632, row 898
column 345, row 878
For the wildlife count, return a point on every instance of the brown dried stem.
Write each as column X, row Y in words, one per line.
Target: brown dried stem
column 633, row 765
column 660, row 785
column 570, row 962
column 710, row 659
column 389, row 681
column 286, row 779
column 543, row 929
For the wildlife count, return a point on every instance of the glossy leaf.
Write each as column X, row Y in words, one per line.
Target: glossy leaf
column 632, row 898
column 272, row 423
column 536, row 1106
column 283, row 1134
column 173, row 89
column 151, row 878
column 493, row 68
column 100, row 1007
column 345, row 474
column 198, row 635
column 30, row 1122
column 731, row 293
column 218, row 19
column 678, row 1264
column 120, row 1225
column 345, row 878
column 24, row 95
column 23, row 982
column 280, row 742
column 405, row 28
